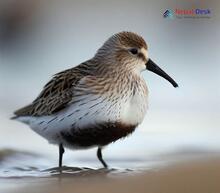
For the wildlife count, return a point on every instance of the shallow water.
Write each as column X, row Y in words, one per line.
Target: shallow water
column 22, row 170
column 22, row 164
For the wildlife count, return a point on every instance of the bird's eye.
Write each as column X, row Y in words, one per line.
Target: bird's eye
column 134, row 51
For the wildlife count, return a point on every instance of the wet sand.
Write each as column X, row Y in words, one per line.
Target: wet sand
column 193, row 176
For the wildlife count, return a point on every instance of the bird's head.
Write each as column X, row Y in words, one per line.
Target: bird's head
column 127, row 50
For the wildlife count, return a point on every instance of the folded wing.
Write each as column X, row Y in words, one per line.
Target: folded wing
column 57, row 93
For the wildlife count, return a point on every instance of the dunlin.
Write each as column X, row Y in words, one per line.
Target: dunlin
column 97, row 102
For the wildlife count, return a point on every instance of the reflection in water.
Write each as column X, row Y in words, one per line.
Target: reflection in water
column 18, row 164
column 84, row 172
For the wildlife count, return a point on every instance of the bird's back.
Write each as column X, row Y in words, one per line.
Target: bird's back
column 104, row 98
column 57, row 93
column 89, row 109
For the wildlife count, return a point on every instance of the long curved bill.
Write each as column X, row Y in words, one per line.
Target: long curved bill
column 151, row 66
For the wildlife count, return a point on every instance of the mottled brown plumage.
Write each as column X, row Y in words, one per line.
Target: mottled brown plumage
column 97, row 102
column 58, row 92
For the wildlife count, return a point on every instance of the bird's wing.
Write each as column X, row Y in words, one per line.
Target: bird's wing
column 57, row 93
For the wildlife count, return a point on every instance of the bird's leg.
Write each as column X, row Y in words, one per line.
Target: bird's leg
column 99, row 155
column 61, row 152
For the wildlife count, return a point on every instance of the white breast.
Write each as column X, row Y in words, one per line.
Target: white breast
column 134, row 110
column 91, row 110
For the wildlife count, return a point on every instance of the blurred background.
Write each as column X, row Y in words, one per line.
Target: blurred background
column 39, row 38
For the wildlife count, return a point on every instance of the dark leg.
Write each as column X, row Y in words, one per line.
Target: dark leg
column 99, row 155
column 61, row 151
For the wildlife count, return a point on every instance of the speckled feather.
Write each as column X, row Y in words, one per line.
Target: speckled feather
column 58, row 92
column 96, row 102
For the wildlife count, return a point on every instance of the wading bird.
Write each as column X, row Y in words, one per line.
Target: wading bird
column 97, row 102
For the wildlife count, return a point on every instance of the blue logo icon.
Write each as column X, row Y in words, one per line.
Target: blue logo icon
column 168, row 14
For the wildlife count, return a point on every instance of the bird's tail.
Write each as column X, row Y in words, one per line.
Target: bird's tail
column 14, row 117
